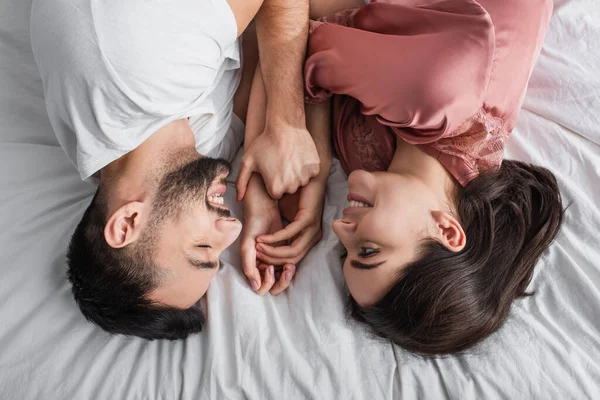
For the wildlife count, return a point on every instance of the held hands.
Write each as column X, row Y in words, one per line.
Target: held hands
column 305, row 210
column 281, row 159
column 266, row 245
column 284, row 155
column 262, row 217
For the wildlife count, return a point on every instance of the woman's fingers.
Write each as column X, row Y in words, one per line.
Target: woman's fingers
column 293, row 252
column 285, row 279
column 281, row 261
column 268, row 280
column 290, row 251
column 286, row 233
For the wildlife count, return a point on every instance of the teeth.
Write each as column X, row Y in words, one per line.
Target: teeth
column 354, row 203
column 216, row 199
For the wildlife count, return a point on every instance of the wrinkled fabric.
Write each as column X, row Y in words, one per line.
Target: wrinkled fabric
column 298, row 345
column 449, row 76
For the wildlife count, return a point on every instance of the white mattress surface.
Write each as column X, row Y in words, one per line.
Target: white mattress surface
column 298, row 345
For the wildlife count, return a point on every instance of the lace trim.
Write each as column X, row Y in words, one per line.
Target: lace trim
column 367, row 145
column 479, row 142
column 344, row 18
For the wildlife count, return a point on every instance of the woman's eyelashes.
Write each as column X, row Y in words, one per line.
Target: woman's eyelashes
column 366, row 252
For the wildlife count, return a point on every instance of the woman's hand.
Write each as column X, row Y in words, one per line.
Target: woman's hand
column 262, row 217
column 305, row 229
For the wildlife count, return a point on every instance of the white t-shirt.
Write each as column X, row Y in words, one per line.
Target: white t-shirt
column 116, row 71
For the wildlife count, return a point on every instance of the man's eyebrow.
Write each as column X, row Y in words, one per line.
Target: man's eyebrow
column 357, row 264
column 204, row 264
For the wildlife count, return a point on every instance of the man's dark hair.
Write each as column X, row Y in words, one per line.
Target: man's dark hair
column 110, row 285
column 446, row 302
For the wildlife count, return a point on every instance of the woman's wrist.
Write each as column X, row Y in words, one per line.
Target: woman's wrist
column 256, row 193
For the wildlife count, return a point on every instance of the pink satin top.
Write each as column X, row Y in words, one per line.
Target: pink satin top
column 449, row 76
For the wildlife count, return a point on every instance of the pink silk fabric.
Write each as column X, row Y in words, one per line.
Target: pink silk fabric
column 449, row 76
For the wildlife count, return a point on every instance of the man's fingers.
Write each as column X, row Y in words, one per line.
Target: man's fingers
column 286, row 233
column 313, row 170
column 305, row 180
column 275, row 190
column 269, row 279
column 249, row 265
column 284, row 280
column 244, row 175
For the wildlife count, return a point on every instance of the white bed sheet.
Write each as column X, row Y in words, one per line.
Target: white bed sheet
column 298, row 345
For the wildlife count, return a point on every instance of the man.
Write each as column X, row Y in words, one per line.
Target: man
column 140, row 93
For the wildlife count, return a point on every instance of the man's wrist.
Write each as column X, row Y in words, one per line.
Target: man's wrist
column 287, row 114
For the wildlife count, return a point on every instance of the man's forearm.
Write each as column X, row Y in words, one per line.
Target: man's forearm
column 282, row 30
column 318, row 121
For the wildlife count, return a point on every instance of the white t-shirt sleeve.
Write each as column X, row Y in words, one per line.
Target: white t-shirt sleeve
column 115, row 71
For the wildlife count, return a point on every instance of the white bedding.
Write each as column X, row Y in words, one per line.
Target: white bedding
column 299, row 344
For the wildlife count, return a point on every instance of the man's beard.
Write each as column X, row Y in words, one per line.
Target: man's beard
column 186, row 187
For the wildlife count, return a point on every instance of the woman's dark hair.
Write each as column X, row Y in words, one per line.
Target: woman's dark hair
column 446, row 302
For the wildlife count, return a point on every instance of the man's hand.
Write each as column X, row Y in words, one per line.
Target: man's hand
column 278, row 145
column 262, row 217
column 285, row 156
column 303, row 232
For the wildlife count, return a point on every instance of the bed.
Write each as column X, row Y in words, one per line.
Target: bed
column 298, row 345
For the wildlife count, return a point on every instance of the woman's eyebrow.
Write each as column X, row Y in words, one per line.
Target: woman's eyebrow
column 359, row 265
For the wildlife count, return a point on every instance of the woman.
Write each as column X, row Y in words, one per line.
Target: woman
column 441, row 235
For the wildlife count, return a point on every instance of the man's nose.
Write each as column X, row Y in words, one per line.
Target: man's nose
column 229, row 229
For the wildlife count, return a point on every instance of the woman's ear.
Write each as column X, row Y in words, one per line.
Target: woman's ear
column 449, row 231
column 125, row 225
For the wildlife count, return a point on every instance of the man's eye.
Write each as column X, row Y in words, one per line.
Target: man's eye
column 367, row 252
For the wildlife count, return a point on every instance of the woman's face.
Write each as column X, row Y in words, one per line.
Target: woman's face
column 389, row 214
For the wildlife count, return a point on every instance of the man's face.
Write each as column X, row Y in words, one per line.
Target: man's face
column 193, row 227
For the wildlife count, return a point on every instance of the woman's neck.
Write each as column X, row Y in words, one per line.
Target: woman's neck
column 411, row 161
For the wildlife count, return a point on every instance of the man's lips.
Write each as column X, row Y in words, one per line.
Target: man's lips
column 217, row 191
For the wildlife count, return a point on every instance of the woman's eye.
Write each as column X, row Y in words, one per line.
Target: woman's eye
column 367, row 252
column 204, row 246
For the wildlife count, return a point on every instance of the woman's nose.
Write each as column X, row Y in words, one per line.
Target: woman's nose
column 348, row 225
column 361, row 179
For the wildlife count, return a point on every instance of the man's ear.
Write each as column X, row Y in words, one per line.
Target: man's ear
column 449, row 231
column 125, row 225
